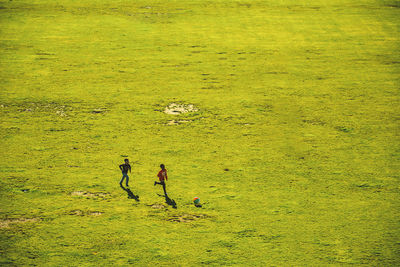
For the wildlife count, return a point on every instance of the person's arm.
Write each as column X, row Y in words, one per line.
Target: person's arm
column 120, row 166
column 130, row 170
column 166, row 176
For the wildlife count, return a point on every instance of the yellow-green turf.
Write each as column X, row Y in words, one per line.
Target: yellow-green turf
column 294, row 149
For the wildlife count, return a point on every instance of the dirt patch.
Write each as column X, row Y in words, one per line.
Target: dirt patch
column 314, row 122
column 84, row 213
column 95, row 213
column 99, row 111
column 60, row 110
column 9, row 222
column 157, row 206
column 176, row 109
column 186, row 217
column 174, row 122
column 89, row 195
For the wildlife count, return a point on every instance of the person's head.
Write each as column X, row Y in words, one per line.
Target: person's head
column 126, row 161
column 162, row 166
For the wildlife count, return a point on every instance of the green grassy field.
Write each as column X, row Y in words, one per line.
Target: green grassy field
column 292, row 145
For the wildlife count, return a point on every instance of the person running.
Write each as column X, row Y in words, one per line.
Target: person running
column 125, row 168
column 162, row 176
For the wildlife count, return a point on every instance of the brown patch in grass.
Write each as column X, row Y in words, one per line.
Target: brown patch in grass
column 174, row 122
column 6, row 223
column 186, row 217
column 176, row 109
column 157, row 206
column 84, row 213
column 89, row 195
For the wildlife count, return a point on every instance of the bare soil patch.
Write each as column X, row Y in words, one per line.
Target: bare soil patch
column 186, row 217
column 90, row 195
column 85, row 213
column 174, row 122
column 157, row 206
column 6, row 223
column 176, row 109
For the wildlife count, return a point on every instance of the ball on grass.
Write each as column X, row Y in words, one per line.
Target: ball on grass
column 196, row 200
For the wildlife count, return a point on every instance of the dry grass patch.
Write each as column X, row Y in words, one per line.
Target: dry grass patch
column 90, row 195
column 174, row 122
column 186, row 217
column 78, row 212
column 176, row 109
column 7, row 223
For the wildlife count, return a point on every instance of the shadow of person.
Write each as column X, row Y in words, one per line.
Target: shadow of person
column 170, row 202
column 130, row 193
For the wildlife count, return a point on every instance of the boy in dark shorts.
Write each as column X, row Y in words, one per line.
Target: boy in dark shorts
column 162, row 176
column 125, row 168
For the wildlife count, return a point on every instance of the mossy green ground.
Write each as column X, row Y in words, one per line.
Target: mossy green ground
column 293, row 150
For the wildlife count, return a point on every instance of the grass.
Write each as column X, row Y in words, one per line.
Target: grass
column 293, row 148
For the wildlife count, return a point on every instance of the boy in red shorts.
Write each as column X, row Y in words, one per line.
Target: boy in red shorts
column 162, row 176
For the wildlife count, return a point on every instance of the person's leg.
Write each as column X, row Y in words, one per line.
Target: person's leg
column 122, row 179
column 127, row 179
column 163, row 186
